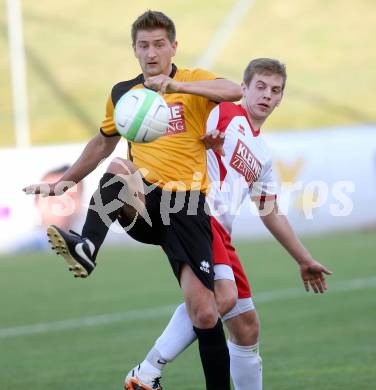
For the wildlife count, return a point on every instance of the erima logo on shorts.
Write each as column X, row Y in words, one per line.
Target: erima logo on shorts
column 205, row 266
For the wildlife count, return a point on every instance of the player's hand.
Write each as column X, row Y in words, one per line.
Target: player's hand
column 214, row 140
column 312, row 274
column 162, row 84
column 46, row 189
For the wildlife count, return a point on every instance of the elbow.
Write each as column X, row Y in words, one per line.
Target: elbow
column 232, row 93
column 236, row 94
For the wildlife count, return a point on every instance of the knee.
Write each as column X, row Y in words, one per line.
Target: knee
column 254, row 330
column 200, row 301
column 121, row 167
column 225, row 303
column 245, row 329
column 204, row 316
column 226, row 295
column 127, row 174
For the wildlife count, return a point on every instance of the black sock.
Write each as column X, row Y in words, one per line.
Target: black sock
column 215, row 357
column 99, row 217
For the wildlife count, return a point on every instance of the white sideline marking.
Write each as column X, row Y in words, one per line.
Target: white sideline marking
column 45, row 327
column 145, row 314
column 220, row 38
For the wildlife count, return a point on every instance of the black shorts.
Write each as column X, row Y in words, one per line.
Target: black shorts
column 181, row 225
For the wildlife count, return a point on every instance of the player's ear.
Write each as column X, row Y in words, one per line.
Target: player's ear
column 174, row 46
column 243, row 88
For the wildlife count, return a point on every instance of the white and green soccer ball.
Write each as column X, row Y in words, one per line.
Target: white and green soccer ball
column 141, row 115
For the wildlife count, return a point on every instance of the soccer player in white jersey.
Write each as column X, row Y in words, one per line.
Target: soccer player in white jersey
column 240, row 166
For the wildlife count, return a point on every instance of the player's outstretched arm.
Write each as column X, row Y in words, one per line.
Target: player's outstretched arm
column 312, row 272
column 218, row 90
column 97, row 149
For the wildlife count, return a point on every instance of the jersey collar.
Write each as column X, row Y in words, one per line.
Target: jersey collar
column 255, row 133
column 172, row 73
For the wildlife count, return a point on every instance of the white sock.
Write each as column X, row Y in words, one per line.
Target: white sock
column 177, row 336
column 246, row 368
column 147, row 371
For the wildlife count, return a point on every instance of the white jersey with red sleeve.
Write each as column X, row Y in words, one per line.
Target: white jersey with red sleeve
column 244, row 171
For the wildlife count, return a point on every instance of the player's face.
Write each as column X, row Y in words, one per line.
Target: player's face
column 262, row 95
column 154, row 52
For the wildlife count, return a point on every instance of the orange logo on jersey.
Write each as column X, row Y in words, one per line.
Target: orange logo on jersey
column 177, row 121
column 244, row 162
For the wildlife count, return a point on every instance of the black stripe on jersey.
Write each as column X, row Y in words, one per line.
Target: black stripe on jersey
column 121, row 88
column 173, row 71
column 124, row 86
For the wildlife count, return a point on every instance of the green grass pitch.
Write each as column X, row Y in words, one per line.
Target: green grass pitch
column 60, row 333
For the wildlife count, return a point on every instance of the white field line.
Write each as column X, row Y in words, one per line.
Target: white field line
column 221, row 37
column 336, row 287
column 164, row 311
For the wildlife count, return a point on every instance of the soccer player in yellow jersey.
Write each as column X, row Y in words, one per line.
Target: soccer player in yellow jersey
column 164, row 204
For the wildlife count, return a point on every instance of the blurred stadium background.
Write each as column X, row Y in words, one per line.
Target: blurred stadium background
column 60, row 333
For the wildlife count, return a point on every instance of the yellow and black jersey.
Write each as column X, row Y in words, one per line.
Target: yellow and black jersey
column 177, row 160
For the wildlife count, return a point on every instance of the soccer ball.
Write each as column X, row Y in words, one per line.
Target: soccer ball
column 141, row 115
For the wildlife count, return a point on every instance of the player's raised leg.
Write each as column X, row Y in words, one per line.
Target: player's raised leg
column 120, row 190
column 76, row 250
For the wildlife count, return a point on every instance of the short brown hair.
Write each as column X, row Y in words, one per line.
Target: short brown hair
column 151, row 20
column 265, row 66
